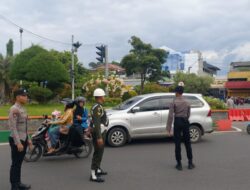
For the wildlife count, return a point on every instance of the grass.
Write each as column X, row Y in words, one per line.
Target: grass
column 41, row 109
column 33, row 109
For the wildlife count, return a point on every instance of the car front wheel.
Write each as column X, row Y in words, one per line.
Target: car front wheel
column 195, row 134
column 117, row 137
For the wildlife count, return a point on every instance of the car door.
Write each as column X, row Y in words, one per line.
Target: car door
column 165, row 102
column 147, row 120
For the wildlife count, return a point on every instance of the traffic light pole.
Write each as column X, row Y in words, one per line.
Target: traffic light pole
column 72, row 70
column 106, row 68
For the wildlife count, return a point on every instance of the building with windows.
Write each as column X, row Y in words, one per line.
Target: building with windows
column 188, row 62
column 238, row 80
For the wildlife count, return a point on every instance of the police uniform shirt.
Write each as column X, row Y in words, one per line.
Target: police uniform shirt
column 18, row 119
column 178, row 108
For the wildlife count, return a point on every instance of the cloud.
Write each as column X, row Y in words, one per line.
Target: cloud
column 219, row 28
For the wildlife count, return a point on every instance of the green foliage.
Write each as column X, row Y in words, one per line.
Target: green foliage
column 19, row 67
column 40, row 94
column 193, row 83
column 128, row 95
column 111, row 102
column 45, row 67
column 39, row 65
column 152, row 88
column 9, row 48
column 144, row 59
column 215, row 103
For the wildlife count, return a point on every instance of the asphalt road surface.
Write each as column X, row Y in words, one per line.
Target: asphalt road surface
column 222, row 163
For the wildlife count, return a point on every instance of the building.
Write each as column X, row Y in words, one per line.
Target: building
column 188, row 62
column 238, row 80
column 218, row 89
column 115, row 69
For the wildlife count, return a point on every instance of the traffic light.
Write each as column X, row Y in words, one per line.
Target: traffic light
column 101, row 53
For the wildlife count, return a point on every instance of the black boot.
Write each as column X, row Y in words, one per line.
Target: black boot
column 191, row 165
column 98, row 179
column 24, row 186
column 101, row 172
column 179, row 166
column 14, row 187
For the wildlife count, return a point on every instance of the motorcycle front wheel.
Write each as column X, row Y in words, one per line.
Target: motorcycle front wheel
column 85, row 150
column 34, row 154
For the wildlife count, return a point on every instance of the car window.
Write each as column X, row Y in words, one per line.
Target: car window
column 165, row 102
column 150, row 105
column 194, row 101
column 127, row 103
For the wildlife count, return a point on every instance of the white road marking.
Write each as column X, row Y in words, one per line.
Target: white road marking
column 237, row 130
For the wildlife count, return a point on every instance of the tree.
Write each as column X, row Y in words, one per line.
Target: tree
column 145, row 60
column 194, row 83
column 40, row 65
column 19, row 67
column 9, row 48
column 4, row 78
column 94, row 65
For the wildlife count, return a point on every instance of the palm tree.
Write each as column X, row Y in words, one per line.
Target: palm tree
column 4, row 78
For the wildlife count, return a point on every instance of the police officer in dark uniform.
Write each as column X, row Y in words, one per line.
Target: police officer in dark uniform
column 99, row 123
column 179, row 111
column 19, row 139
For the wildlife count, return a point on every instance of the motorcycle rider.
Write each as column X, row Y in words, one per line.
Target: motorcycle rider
column 64, row 123
column 81, row 115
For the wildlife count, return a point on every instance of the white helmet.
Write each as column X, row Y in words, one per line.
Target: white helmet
column 99, row 92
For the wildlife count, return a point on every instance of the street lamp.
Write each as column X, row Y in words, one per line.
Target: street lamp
column 75, row 46
column 21, row 39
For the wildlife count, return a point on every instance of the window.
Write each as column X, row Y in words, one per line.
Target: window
column 150, row 105
column 165, row 102
column 194, row 101
column 128, row 103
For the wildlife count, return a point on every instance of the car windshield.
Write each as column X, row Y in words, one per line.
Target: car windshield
column 127, row 103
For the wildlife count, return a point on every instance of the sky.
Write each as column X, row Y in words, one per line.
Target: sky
column 218, row 28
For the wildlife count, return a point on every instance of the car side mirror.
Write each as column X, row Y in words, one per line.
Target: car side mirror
column 135, row 109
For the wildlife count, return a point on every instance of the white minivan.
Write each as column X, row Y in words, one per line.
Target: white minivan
column 145, row 116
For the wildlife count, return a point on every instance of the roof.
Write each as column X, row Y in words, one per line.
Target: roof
column 112, row 67
column 209, row 66
column 238, row 84
column 240, row 63
column 167, row 93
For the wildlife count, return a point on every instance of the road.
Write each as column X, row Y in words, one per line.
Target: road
column 222, row 161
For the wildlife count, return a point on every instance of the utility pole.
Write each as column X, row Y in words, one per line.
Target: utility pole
column 75, row 46
column 106, row 68
column 72, row 69
column 21, row 39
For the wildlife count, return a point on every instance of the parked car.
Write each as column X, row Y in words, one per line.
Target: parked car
column 145, row 116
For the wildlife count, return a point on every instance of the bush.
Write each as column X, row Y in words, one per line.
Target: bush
column 215, row 103
column 112, row 102
column 40, row 94
column 152, row 88
column 116, row 86
column 128, row 95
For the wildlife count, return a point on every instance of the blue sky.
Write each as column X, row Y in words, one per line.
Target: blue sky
column 218, row 28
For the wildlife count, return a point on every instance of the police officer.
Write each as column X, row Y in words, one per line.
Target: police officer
column 18, row 139
column 99, row 123
column 179, row 111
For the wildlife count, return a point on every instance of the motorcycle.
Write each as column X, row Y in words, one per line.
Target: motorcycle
column 248, row 128
column 80, row 146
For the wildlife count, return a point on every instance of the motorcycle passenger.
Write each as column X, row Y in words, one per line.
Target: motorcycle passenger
column 81, row 115
column 63, row 124
column 55, row 115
